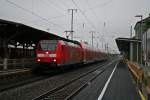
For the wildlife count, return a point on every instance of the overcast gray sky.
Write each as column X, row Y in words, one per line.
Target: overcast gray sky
column 108, row 18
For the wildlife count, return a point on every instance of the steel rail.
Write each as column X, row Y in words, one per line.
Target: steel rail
column 85, row 84
column 72, row 81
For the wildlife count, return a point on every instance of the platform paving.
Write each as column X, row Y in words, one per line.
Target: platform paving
column 120, row 87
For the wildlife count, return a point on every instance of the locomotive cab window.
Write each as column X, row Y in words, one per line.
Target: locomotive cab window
column 47, row 45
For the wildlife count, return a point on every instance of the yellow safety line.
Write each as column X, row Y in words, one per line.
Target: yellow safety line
column 141, row 95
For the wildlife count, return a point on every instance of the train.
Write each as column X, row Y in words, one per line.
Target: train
column 60, row 53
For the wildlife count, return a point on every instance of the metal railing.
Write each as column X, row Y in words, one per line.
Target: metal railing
column 6, row 64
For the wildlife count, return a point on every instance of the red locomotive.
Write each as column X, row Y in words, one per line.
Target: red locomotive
column 60, row 52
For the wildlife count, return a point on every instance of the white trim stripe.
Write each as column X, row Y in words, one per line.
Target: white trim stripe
column 106, row 84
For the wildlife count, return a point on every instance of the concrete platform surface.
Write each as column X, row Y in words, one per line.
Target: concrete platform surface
column 119, row 87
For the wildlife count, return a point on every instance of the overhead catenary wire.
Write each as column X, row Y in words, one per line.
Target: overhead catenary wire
column 32, row 6
column 83, row 22
column 91, row 9
column 93, row 12
column 50, row 18
column 55, row 17
column 89, row 22
column 51, row 2
column 33, row 13
column 99, row 5
column 62, row 2
column 48, row 5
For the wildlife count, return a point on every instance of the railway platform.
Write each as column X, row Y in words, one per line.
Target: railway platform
column 110, row 80
column 13, row 73
column 117, row 84
column 10, row 68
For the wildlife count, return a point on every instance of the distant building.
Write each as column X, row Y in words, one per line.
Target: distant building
column 142, row 32
column 146, row 46
column 137, row 48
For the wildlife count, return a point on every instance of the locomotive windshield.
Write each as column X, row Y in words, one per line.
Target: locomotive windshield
column 47, row 45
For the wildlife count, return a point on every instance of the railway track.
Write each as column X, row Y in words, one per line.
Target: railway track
column 13, row 73
column 20, row 77
column 53, row 85
column 71, row 88
column 7, row 85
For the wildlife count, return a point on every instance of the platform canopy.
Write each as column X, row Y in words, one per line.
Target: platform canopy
column 124, row 43
column 14, row 32
column 130, row 48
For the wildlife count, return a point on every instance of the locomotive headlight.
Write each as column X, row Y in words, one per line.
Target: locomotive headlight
column 38, row 60
column 54, row 60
